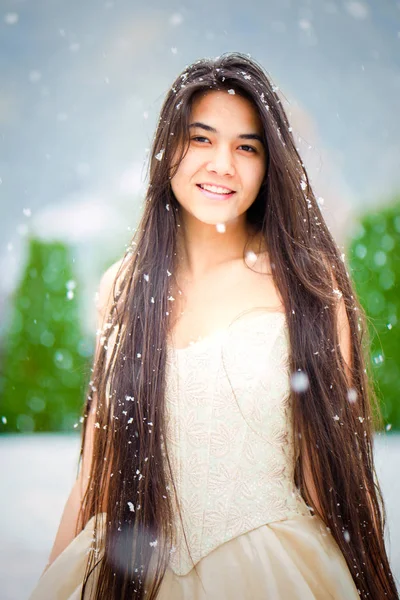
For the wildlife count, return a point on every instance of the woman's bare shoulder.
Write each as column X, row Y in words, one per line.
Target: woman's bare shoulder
column 110, row 278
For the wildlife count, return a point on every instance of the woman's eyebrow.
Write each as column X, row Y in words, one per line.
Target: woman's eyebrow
column 242, row 136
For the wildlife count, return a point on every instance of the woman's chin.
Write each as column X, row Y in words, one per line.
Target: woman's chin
column 216, row 219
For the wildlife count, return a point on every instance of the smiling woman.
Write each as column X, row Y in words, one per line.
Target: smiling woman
column 210, row 449
column 220, row 166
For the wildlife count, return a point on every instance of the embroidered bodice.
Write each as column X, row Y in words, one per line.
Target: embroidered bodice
column 229, row 435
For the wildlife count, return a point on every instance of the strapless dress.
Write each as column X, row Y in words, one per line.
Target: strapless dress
column 245, row 532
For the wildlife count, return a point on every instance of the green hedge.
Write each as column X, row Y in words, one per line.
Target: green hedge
column 46, row 358
column 374, row 260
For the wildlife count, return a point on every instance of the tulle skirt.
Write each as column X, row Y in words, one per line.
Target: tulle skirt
column 294, row 559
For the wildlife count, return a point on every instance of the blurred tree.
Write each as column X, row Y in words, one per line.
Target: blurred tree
column 46, row 358
column 375, row 267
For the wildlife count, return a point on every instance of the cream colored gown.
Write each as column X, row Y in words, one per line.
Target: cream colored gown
column 230, row 440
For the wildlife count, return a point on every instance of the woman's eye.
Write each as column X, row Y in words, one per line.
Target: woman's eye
column 200, row 138
column 248, row 148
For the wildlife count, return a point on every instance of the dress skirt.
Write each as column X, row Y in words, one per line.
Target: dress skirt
column 293, row 559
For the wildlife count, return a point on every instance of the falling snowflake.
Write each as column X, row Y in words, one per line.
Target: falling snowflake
column 251, row 256
column 305, row 24
column 232, row 92
column 299, row 382
column 352, row 395
column 11, row 18
column 379, row 258
column 221, row 227
column 160, row 154
column 378, row 359
column 176, row 19
column 358, row 10
column 35, row 76
column 361, row 251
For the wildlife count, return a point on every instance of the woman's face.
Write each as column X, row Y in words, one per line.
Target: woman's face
column 225, row 151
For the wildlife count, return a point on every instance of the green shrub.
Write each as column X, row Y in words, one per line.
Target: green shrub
column 375, row 267
column 47, row 360
column 46, row 357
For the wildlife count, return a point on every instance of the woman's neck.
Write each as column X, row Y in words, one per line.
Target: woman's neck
column 201, row 248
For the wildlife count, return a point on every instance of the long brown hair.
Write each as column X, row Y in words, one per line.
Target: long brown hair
column 129, row 473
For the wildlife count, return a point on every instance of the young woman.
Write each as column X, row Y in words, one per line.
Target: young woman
column 227, row 442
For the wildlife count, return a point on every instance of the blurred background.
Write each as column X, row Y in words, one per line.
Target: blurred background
column 81, row 87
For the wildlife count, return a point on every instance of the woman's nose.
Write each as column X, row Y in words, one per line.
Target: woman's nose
column 222, row 162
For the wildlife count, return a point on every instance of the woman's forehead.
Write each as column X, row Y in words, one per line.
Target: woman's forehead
column 225, row 110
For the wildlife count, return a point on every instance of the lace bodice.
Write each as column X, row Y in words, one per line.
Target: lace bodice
column 229, row 435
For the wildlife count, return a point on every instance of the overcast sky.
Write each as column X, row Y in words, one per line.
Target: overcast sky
column 82, row 83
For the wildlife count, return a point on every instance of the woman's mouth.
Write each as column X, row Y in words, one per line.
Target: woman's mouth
column 215, row 192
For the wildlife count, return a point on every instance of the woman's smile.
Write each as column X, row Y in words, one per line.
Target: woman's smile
column 215, row 192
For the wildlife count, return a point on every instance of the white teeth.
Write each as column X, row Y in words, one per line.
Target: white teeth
column 215, row 189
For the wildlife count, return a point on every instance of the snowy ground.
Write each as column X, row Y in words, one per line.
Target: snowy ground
column 38, row 471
